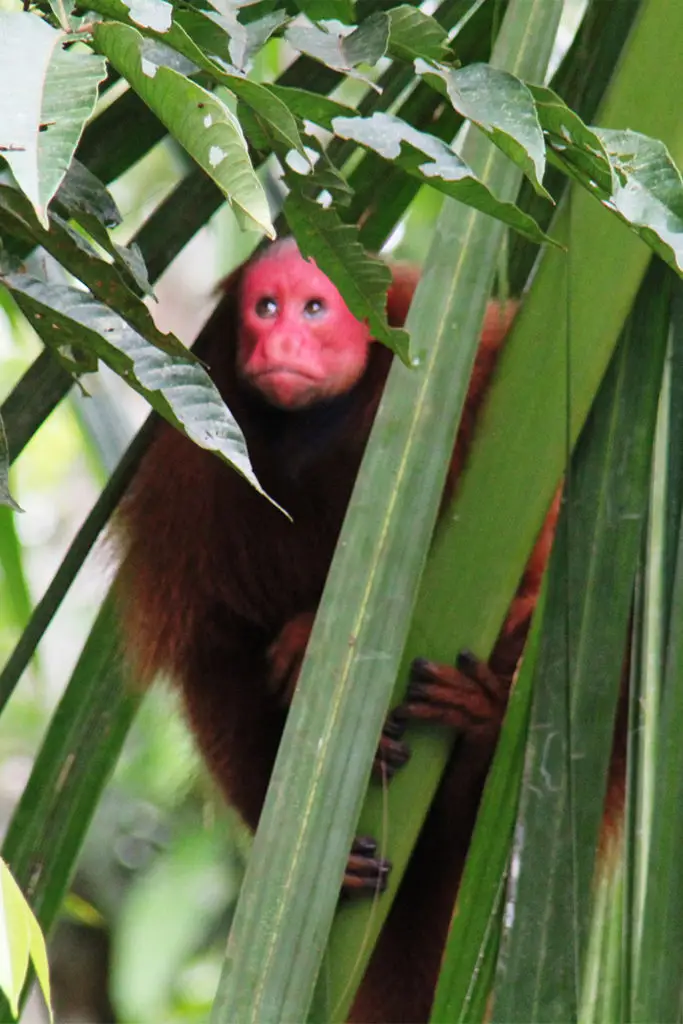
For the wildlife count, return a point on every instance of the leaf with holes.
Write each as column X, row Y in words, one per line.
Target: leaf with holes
column 434, row 163
column 649, row 191
column 200, row 122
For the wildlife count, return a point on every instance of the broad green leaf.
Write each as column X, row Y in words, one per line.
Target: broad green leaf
column 82, row 192
column 279, row 121
column 365, row 45
column 5, row 496
column 500, row 105
column 245, row 44
column 222, row 35
column 311, row 106
column 363, row 280
column 176, row 386
column 77, row 255
column 571, row 140
column 657, row 895
column 207, row 29
column 46, row 96
column 435, row 163
column 649, row 191
column 415, row 34
column 195, row 117
column 71, row 87
column 154, row 14
column 27, row 46
column 602, row 990
column 84, row 199
column 321, row 174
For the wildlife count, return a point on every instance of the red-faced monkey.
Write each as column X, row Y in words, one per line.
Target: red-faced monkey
column 220, row 589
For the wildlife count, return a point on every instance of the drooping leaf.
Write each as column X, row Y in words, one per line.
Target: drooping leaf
column 46, row 96
column 578, row 146
column 82, row 192
column 176, row 386
column 77, row 255
column 71, row 88
column 501, row 105
column 649, row 191
column 278, row 120
column 434, row 163
column 195, row 117
column 363, row 280
column 365, row 45
column 245, row 45
column 311, row 106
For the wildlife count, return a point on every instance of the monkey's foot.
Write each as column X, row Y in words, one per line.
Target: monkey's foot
column 469, row 697
column 366, row 874
column 392, row 752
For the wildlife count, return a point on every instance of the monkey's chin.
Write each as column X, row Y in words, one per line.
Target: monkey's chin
column 288, row 389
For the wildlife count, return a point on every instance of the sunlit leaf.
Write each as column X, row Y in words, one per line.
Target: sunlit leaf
column 177, row 387
column 500, row 105
column 434, row 163
column 46, row 95
column 365, row 45
column 198, row 120
column 649, row 191
column 577, row 145
column 20, row 939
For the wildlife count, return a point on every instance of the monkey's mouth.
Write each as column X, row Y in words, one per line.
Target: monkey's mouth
column 286, row 386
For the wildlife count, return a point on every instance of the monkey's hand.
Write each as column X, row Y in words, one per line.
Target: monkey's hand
column 469, row 697
column 285, row 656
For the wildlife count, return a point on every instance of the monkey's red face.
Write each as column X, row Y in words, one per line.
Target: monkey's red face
column 298, row 342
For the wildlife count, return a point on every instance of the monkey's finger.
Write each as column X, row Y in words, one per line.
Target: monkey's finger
column 467, row 697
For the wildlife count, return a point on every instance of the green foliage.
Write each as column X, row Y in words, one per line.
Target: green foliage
column 337, row 120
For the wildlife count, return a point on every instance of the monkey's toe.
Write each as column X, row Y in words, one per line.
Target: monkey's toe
column 366, row 874
column 392, row 752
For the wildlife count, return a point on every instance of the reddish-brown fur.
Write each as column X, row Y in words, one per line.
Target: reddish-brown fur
column 219, row 590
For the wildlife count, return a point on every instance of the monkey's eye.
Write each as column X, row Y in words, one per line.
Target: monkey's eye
column 266, row 307
column 315, row 307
